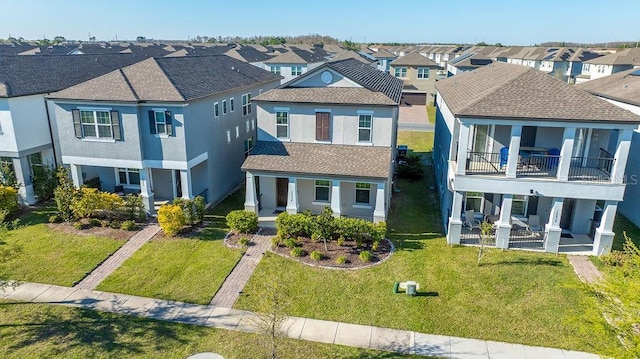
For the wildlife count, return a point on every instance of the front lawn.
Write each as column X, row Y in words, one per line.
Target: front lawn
column 514, row 296
column 431, row 113
column 621, row 225
column 188, row 268
column 47, row 255
column 29, row 330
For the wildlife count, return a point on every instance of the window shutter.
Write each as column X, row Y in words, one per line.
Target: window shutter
column 115, row 124
column 322, row 126
column 168, row 118
column 152, row 122
column 325, row 126
column 77, row 125
column 318, row 126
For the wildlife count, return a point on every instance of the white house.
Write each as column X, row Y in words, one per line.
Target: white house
column 541, row 160
column 610, row 64
column 293, row 63
column 326, row 139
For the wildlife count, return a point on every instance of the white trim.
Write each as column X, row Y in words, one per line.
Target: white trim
column 94, row 108
column 232, row 108
column 323, row 110
column 288, row 137
column 364, row 112
column 158, row 135
column 158, row 164
column 362, row 206
column 158, row 109
column 225, row 107
column 216, row 109
column 98, row 139
column 281, row 109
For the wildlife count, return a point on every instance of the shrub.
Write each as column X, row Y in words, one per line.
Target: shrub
column 411, row 168
column 365, row 256
column 8, row 201
column 244, row 241
column 341, row 260
column 193, row 209
column 44, row 182
column 56, row 218
column 115, row 224
column 316, row 255
column 360, row 231
column 65, row 194
column 615, row 259
column 171, row 219
column 129, row 225
column 290, row 243
column 94, row 222
column 341, row 241
column 242, row 221
column 105, row 223
column 199, row 207
column 8, row 177
column 297, row 252
column 315, row 236
column 134, row 207
column 294, row 225
column 79, row 225
column 276, row 241
column 94, row 203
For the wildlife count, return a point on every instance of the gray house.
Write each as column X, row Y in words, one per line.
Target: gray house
column 163, row 127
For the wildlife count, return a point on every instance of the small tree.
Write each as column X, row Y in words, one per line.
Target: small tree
column 134, row 207
column 325, row 226
column 485, row 237
column 44, row 182
column 8, row 177
column 65, row 194
column 270, row 317
column 171, row 219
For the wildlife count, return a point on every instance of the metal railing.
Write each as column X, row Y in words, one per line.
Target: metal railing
column 596, row 169
column 470, row 236
column 485, row 163
column 537, row 165
column 522, row 238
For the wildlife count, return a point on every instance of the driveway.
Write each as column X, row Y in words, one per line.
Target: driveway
column 414, row 118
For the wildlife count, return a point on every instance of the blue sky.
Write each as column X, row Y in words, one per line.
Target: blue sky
column 459, row 21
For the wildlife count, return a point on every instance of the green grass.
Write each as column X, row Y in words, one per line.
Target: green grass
column 514, row 296
column 30, row 330
column 189, row 269
column 420, row 142
column 621, row 225
column 49, row 256
column 431, row 113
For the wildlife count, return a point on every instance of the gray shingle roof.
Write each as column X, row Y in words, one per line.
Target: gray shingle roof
column 501, row 90
column 622, row 57
column 172, row 79
column 621, row 86
column 320, row 159
column 327, row 95
column 413, row 59
column 369, row 77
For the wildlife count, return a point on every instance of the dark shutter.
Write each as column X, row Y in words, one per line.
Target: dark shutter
column 152, row 122
column 115, row 124
column 322, row 126
column 168, row 118
column 77, row 125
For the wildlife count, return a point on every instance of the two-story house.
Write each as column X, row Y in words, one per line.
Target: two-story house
column 419, row 76
column 384, row 58
column 622, row 90
column 541, row 160
column 294, row 62
column 326, row 139
column 610, row 64
column 162, row 127
column 27, row 141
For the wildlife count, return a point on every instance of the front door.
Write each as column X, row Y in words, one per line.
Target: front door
column 282, row 188
column 567, row 213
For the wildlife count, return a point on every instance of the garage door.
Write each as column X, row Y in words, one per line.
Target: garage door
column 411, row 99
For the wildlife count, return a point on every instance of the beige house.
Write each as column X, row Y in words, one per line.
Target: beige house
column 419, row 76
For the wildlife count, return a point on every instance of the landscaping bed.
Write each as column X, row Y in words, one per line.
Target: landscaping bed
column 99, row 231
column 349, row 251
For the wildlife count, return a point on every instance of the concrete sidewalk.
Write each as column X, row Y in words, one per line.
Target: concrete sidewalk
column 361, row 336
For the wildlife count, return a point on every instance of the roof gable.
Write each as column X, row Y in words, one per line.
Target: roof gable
column 413, row 59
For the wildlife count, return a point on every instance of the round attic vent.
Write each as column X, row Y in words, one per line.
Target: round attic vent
column 326, row 77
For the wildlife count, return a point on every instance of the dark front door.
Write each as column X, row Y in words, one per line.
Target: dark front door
column 282, row 187
column 567, row 213
column 178, row 184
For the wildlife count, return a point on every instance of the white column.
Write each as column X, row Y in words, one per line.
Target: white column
column 603, row 238
column 335, row 198
column 174, row 183
column 463, row 147
column 292, row 196
column 621, row 156
column 185, row 181
column 26, row 195
column 566, row 152
column 553, row 230
column 503, row 226
column 76, row 175
column 455, row 224
column 514, row 150
column 380, row 213
column 250, row 197
column 146, row 190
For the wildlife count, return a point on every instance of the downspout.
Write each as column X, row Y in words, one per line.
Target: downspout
column 53, row 146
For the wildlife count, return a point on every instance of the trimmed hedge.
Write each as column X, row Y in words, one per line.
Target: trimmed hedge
column 242, row 221
column 8, row 201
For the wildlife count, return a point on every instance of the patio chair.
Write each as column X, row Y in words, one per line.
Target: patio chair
column 504, row 157
column 470, row 220
column 534, row 223
column 119, row 190
column 555, row 157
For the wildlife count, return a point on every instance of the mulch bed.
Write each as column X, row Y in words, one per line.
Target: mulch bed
column 348, row 249
column 233, row 239
column 93, row 231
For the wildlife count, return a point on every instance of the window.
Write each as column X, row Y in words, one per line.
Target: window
column 364, row 128
column 585, row 68
column 216, row 109
column 296, row 70
column 423, row 73
column 282, row 124
column 322, row 126
column 246, row 104
column 237, row 131
column 232, row 104
column 322, row 190
column 35, row 162
column 248, row 146
column 519, row 205
column 228, row 136
column 248, row 125
column 224, row 107
column 160, row 118
column 400, row 72
column 6, row 162
column 275, row 69
column 96, row 124
column 129, row 176
column 363, row 193
column 473, row 201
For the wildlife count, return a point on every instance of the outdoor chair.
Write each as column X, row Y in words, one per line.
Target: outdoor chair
column 534, row 223
column 555, row 157
column 470, row 220
column 504, row 157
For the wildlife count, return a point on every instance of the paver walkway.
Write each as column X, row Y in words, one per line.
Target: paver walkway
column 361, row 336
column 230, row 290
column 112, row 263
column 586, row 271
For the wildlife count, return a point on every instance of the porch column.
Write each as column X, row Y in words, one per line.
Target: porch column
column 621, row 156
column 514, row 151
column 603, row 238
column 380, row 212
column 76, row 175
column 335, row 198
column 185, row 181
column 552, row 229
column 26, row 195
column 174, row 184
column 146, row 191
column 250, row 203
column 292, row 196
column 503, row 227
column 566, row 152
column 455, row 224
column 463, row 147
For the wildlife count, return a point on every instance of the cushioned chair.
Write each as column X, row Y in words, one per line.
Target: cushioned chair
column 470, row 220
column 534, row 223
column 555, row 157
column 504, row 156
